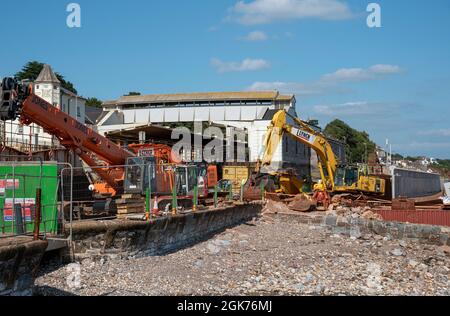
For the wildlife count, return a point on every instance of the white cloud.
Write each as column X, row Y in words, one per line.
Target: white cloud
column 361, row 74
column 438, row 132
column 385, row 69
column 267, row 11
column 288, row 87
column 364, row 108
column 348, row 74
column 247, row 64
column 329, row 82
column 343, row 109
column 427, row 145
column 213, row 28
column 255, row 36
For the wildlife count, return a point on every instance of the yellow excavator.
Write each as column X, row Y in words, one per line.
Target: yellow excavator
column 335, row 178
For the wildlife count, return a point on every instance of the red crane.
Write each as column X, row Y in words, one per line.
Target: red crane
column 18, row 100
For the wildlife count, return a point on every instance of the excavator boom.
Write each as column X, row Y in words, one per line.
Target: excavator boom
column 335, row 178
column 305, row 135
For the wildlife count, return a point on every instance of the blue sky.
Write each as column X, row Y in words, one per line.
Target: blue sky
column 393, row 82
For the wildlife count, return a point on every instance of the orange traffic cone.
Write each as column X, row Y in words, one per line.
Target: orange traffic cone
column 155, row 207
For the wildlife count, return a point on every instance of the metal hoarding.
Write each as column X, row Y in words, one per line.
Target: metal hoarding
column 425, row 217
column 18, row 184
column 414, row 184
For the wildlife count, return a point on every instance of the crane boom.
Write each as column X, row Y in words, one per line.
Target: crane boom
column 18, row 100
column 71, row 133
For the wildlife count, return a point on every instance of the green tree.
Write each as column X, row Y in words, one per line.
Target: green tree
column 397, row 157
column 413, row 159
column 358, row 143
column 32, row 70
column 94, row 102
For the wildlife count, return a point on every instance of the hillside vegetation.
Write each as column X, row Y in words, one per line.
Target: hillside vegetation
column 359, row 144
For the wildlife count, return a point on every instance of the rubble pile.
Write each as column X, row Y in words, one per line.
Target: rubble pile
column 355, row 212
column 339, row 207
column 266, row 257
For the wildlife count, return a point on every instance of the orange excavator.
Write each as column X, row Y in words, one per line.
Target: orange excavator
column 120, row 170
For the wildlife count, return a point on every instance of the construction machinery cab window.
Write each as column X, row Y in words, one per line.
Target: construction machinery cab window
column 139, row 174
column 185, row 179
column 346, row 176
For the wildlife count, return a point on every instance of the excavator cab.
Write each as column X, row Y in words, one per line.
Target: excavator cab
column 186, row 178
column 346, row 176
column 358, row 179
column 189, row 176
column 140, row 175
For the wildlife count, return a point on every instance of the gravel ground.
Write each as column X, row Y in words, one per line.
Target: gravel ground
column 267, row 257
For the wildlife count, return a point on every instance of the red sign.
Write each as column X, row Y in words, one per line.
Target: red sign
column 9, row 184
column 25, row 204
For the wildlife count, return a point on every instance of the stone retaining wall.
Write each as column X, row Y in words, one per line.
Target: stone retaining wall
column 19, row 265
column 122, row 238
column 356, row 227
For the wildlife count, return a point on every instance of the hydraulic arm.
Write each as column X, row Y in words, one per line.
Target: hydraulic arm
column 335, row 177
column 305, row 135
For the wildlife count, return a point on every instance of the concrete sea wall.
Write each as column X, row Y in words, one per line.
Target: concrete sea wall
column 19, row 264
column 163, row 235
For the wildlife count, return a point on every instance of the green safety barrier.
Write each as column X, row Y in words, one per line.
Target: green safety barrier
column 195, row 199
column 18, row 185
column 174, row 200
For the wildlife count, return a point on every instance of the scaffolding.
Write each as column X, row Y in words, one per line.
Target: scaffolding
column 27, row 143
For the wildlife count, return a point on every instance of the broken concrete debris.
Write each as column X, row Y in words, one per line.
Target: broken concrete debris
column 282, row 257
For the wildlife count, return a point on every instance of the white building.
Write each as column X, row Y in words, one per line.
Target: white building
column 251, row 111
column 48, row 87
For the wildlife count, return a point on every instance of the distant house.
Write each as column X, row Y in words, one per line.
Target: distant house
column 92, row 114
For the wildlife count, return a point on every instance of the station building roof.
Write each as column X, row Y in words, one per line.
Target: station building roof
column 200, row 98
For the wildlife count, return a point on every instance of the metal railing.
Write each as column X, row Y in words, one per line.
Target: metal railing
column 145, row 189
column 26, row 138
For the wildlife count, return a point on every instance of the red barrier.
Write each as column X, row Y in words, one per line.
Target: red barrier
column 438, row 218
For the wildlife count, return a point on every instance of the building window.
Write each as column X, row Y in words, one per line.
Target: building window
column 20, row 130
column 78, row 111
column 37, row 87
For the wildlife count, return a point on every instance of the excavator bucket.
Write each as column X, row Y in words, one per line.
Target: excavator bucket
column 253, row 189
column 303, row 203
column 252, row 193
